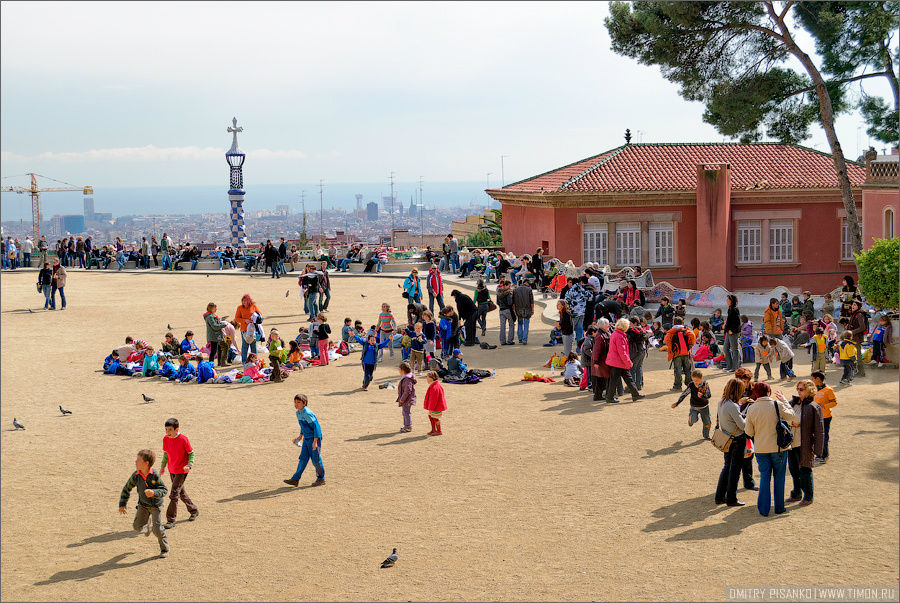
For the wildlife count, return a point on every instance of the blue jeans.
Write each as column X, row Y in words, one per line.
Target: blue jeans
column 46, row 289
column 522, row 329
column 578, row 319
column 324, row 298
column 194, row 264
column 701, row 414
column 167, row 261
column 311, row 305
column 771, row 464
column 120, row 260
column 223, row 261
column 245, row 347
column 379, row 264
column 62, row 297
column 308, row 454
column 454, row 262
column 343, row 264
column 431, row 298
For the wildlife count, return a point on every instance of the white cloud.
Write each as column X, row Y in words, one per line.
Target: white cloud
column 148, row 153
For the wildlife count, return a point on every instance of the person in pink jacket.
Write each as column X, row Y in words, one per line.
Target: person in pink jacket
column 619, row 361
column 435, row 402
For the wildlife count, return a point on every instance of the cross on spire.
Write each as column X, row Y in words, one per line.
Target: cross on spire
column 234, row 130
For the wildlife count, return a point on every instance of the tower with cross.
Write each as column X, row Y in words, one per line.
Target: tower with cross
column 235, row 158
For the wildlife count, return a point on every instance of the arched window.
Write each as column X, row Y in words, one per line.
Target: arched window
column 889, row 223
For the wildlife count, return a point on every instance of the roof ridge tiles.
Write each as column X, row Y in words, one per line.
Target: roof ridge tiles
column 615, row 153
column 564, row 166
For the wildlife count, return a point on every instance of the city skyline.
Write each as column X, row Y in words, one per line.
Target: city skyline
column 417, row 89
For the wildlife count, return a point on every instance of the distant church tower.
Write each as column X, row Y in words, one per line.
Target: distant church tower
column 235, row 158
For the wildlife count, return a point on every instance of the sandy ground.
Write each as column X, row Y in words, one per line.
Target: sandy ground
column 534, row 492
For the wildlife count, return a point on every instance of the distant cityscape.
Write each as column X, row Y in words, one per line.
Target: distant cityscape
column 369, row 221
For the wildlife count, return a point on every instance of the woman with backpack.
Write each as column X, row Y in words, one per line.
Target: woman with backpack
column 763, row 417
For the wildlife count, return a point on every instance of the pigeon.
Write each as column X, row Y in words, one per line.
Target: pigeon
column 207, row 276
column 17, row 425
column 146, row 398
column 391, row 560
column 169, row 327
column 287, row 293
column 363, row 295
column 64, row 411
column 30, row 311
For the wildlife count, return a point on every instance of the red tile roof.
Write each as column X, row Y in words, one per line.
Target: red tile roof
column 659, row 167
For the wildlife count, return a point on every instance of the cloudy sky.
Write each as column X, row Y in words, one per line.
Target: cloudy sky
column 140, row 94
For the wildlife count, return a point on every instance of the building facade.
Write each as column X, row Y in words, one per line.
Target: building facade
column 746, row 217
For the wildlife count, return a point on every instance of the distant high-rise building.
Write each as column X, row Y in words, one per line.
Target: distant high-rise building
column 88, row 208
column 372, row 212
column 358, row 202
column 283, row 210
column 389, row 204
column 63, row 225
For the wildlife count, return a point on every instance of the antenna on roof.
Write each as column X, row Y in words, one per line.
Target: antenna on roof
column 627, row 136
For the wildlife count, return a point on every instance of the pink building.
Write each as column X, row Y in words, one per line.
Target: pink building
column 744, row 216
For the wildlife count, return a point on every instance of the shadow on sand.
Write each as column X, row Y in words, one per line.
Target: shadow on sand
column 93, row 571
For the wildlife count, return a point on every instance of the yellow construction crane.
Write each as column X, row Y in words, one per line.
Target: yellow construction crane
column 35, row 192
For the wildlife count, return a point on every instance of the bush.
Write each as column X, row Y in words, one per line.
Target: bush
column 878, row 270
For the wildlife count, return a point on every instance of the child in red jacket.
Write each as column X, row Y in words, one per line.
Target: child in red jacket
column 435, row 402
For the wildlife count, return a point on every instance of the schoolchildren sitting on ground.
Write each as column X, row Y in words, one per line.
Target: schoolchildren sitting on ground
column 186, row 371
column 170, row 346
column 716, row 321
column 206, row 370
column 700, row 393
column 150, row 364
column 572, row 371
column 167, row 369
column 138, row 354
column 189, row 346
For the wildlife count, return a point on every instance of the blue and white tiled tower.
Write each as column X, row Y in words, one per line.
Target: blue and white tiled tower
column 235, row 158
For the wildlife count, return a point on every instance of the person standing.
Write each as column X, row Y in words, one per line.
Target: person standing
column 242, row 315
column 324, row 286
column 271, row 256
column 665, row 313
column 773, row 319
column 468, row 313
column 45, row 280
column 849, row 293
column 310, row 442
column 730, row 421
column 42, row 249
column 859, row 325
column 145, row 253
column 505, row 306
column 214, row 329
column 619, row 361
column 454, row 254
column 565, row 327
column 732, row 330
column 599, row 369
column 59, row 283
column 282, row 256
column 154, row 250
column 482, row 299
column 27, row 249
column 178, row 454
column 412, row 288
column 435, row 286
column 679, row 342
column 809, row 442
column 309, row 285
column 164, row 245
column 523, row 306
column 762, row 417
column 577, row 298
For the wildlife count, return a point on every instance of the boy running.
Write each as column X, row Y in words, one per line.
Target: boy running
column 151, row 492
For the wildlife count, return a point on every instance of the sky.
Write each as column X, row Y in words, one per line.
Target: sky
column 131, row 94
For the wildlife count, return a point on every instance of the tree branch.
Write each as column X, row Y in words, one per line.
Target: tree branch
column 787, row 7
column 844, row 81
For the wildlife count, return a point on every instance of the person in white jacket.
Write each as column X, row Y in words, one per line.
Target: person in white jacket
column 785, row 357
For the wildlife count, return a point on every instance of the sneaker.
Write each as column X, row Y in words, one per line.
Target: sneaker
column 690, row 421
column 880, row 364
column 146, row 531
column 292, row 482
column 163, row 554
column 193, row 515
column 169, row 525
column 638, row 397
column 319, row 482
column 675, row 388
column 805, row 503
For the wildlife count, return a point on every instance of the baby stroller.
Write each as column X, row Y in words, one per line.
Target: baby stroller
column 746, row 349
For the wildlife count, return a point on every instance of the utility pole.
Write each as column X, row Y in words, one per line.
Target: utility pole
column 392, row 209
column 321, row 214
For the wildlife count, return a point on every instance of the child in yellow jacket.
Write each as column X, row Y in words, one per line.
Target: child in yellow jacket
column 848, row 357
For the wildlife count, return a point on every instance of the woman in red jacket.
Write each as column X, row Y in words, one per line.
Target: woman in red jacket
column 619, row 361
column 435, row 402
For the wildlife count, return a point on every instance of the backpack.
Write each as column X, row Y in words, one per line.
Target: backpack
column 784, row 436
column 679, row 345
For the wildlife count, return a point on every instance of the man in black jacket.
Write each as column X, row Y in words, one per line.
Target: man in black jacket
column 467, row 312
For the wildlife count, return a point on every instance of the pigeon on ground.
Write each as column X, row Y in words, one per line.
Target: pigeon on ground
column 363, row 295
column 64, row 411
column 147, row 398
column 391, row 560
column 30, row 311
column 207, row 276
column 287, row 293
column 169, row 327
column 17, row 425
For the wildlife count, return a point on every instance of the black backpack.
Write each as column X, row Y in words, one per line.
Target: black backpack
column 784, row 435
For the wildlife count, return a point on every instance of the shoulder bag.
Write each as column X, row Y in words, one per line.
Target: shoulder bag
column 721, row 439
column 784, row 435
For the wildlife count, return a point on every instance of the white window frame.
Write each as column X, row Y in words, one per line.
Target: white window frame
column 781, row 241
column 595, row 243
column 662, row 243
column 628, row 244
column 846, row 247
column 749, row 242
column 888, row 223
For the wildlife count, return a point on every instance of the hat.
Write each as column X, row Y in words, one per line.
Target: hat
column 456, row 352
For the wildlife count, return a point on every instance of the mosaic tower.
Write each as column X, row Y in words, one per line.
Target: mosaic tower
column 235, row 158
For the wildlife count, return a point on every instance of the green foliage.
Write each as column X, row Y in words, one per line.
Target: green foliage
column 881, row 118
column 483, row 238
column 878, row 270
column 494, row 227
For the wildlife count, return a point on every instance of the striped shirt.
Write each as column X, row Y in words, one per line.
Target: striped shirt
column 386, row 322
